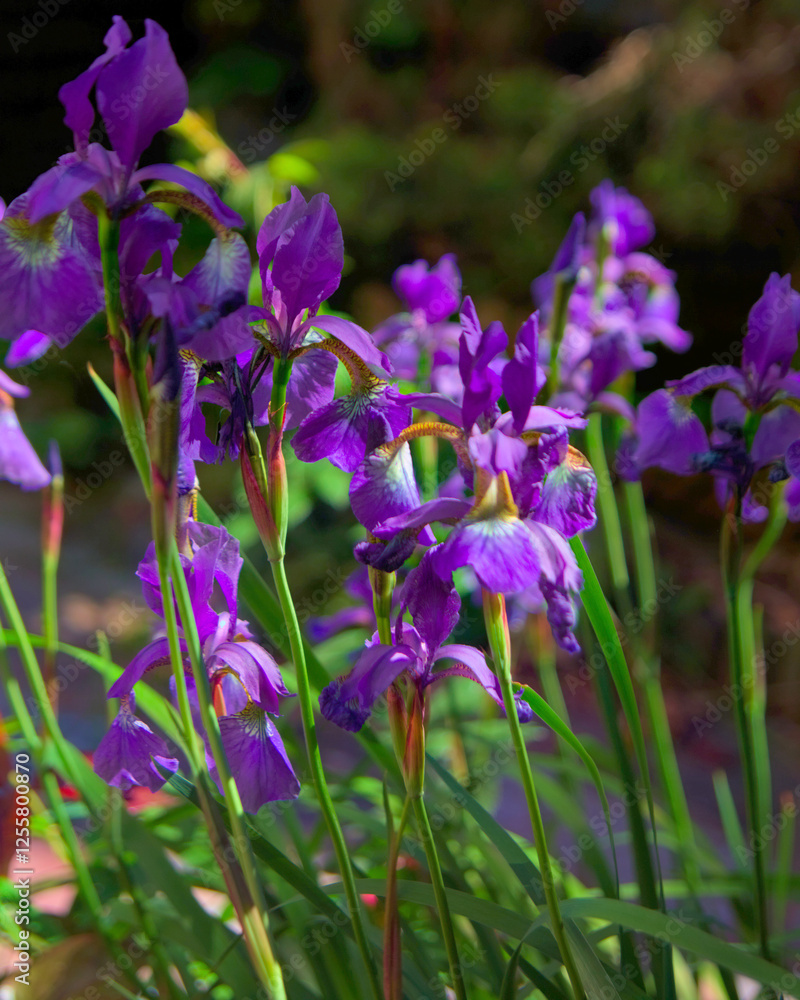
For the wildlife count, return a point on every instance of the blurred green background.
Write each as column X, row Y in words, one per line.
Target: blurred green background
column 472, row 127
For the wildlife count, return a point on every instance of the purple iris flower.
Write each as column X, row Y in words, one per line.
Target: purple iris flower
column 754, row 419
column 431, row 295
column 348, row 428
column 621, row 217
column 50, row 279
column 128, row 753
column 19, row 463
column 531, row 490
column 301, row 256
column 246, row 681
column 434, row 605
column 240, row 388
column 622, row 300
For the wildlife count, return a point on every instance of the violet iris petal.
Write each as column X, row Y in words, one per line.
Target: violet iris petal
column 19, row 463
column 477, row 349
column 303, row 243
column 154, row 654
column 48, row 280
column 500, row 550
column 345, row 430
column 27, row 348
column 139, row 92
column 434, row 603
column 436, row 291
column 472, row 664
column 567, row 498
column 623, row 217
column 75, row 94
column 126, row 754
column 194, row 185
column 257, row 671
column 384, row 486
column 523, row 377
column 348, row 701
column 669, row 434
column 352, row 336
column 771, row 339
column 257, row 758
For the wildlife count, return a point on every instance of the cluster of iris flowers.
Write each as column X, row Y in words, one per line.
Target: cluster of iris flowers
column 506, row 406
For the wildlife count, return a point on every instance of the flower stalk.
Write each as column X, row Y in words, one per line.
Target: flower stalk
column 276, row 502
column 743, row 680
column 494, row 613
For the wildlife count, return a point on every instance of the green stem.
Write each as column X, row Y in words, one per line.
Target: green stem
column 494, row 613
column 255, row 922
column 35, row 679
column 278, row 500
column 318, row 772
column 609, row 515
column 248, row 897
column 437, row 882
column 655, row 706
column 647, row 671
column 51, row 788
column 742, row 681
column 392, row 960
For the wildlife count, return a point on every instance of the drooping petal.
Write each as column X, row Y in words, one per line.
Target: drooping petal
column 126, row 754
column 711, row 377
column 669, row 435
column 19, row 463
column 142, row 234
column 258, row 672
column 435, row 402
column 567, row 497
column 348, row 701
column 777, row 430
column 140, row 92
column 345, row 430
column 500, row 551
column 434, row 603
column 384, row 486
column 154, row 654
column 472, row 664
column 560, row 579
column 448, row 509
column 793, row 459
column 257, row 759
column 48, row 282
column 352, row 336
column 223, row 275
column 60, row 186
column 27, row 348
column 195, row 185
